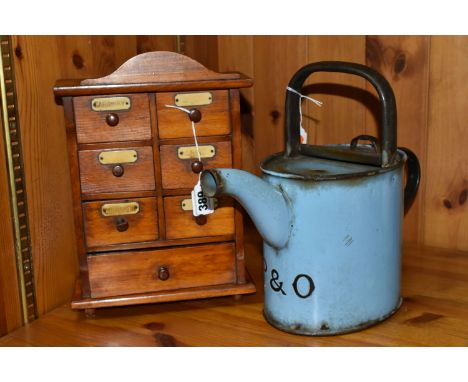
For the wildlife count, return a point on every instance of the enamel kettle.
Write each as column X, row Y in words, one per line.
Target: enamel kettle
column 331, row 219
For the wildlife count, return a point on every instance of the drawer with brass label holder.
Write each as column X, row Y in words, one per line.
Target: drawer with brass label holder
column 112, row 118
column 120, row 221
column 180, row 165
column 180, row 222
column 117, row 170
column 210, row 113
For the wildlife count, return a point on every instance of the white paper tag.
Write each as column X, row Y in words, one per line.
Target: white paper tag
column 303, row 136
column 201, row 204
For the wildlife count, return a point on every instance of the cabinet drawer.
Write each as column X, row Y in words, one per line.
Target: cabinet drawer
column 180, row 222
column 116, row 170
column 112, row 118
column 116, row 274
column 177, row 172
column 120, row 221
column 174, row 123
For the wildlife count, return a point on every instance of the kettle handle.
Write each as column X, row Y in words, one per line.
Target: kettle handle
column 413, row 175
column 385, row 92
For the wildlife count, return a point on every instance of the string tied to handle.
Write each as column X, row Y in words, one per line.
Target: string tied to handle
column 193, row 128
column 315, row 101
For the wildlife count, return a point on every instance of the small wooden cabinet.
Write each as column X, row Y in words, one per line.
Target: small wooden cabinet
column 132, row 169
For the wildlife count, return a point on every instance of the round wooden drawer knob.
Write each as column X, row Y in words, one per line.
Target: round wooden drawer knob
column 197, row 167
column 163, row 273
column 201, row 219
column 195, row 115
column 118, row 171
column 112, row 119
column 122, row 224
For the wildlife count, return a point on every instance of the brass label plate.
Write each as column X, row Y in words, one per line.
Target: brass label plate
column 111, row 103
column 193, row 99
column 190, row 152
column 187, row 205
column 118, row 157
column 114, row 209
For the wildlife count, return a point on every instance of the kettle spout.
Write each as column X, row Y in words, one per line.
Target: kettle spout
column 266, row 205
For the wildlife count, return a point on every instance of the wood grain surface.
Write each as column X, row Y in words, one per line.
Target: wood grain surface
column 434, row 313
column 39, row 62
column 446, row 185
column 151, row 43
column 116, row 274
column 97, row 177
column 204, row 49
column 342, row 116
column 88, row 56
column 276, row 59
column 161, row 66
column 236, row 54
column 404, row 61
column 174, row 123
column 134, row 124
column 177, row 173
column 65, row 88
column 231, row 289
column 74, row 172
column 234, row 98
column 10, row 306
column 182, row 224
column 102, row 230
column 160, row 243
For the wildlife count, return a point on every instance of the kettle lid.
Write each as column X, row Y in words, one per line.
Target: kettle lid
column 327, row 162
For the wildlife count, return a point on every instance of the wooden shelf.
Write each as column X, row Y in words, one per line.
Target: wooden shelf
column 165, row 296
column 434, row 313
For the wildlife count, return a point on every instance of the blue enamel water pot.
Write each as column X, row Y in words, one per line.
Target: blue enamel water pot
column 331, row 219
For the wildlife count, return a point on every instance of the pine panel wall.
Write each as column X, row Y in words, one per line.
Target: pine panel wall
column 446, row 185
column 39, row 62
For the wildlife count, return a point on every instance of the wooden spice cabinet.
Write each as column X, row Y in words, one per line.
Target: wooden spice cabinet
column 131, row 166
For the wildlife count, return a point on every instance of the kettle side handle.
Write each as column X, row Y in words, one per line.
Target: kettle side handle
column 413, row 176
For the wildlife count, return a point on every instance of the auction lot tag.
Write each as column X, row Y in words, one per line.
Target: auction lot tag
column 202, row 205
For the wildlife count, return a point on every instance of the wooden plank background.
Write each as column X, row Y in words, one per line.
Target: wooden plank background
column 428, row 74
column 446, row 186
column 404, row 61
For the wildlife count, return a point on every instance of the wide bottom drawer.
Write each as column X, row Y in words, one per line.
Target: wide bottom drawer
column 124, row 273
